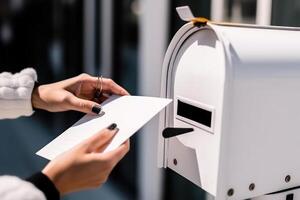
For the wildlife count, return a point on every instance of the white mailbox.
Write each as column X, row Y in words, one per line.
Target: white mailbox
column 234, row 125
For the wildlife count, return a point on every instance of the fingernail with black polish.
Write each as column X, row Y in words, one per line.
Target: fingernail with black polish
column 111, row 127
column 96, row 109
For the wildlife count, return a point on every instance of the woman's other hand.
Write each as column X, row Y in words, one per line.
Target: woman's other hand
column 77, row 93
column 85, row 166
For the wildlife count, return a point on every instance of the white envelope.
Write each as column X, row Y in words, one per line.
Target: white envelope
column 130, row 113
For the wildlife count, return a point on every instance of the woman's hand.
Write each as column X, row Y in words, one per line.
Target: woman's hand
column 84, row 166
column 77, row 93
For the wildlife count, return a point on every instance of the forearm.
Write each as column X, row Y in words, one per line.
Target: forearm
column 15, row 93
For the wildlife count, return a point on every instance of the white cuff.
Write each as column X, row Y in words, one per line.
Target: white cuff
column 15, row 93
column 12, row 188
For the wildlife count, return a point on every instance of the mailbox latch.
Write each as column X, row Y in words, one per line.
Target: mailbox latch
column 171, row 132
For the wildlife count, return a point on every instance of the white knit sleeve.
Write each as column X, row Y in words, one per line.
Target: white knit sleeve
column 12, row 188
column 15, row 93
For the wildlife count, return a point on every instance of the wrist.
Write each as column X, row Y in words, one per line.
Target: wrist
column 35, row 97
column 55, row 173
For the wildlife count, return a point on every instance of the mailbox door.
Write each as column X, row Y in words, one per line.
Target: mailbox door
column 197, row 82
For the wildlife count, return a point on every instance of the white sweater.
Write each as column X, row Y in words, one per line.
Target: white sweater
column 15, row 101
column 15, row 93
column 14, row 188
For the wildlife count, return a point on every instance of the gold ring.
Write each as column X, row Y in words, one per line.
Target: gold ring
column 101, row 83
column 98, row 91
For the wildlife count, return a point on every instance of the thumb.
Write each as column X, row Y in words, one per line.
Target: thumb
column 84, row 106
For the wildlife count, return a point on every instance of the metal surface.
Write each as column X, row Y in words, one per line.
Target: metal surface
column 250, row 76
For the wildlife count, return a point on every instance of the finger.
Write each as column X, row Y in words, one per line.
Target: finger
column 103, row 98
column 101, row 148
column 98, row 100
column 117, row 154
column 83, row 105
column 99, row 141
column 109, row 86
